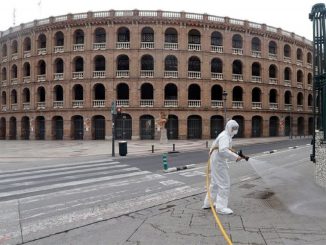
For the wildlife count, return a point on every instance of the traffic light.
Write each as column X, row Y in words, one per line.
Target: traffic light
column 119, row 110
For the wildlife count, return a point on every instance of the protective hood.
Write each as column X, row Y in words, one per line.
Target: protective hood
column 232, row 127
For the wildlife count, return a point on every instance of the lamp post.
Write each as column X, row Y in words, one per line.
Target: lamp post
column 224, row 94
column 291, row 106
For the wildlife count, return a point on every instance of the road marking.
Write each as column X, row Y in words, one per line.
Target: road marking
column 72, row 183
column 171, row 182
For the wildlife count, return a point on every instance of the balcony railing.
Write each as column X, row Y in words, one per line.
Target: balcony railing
column 14, row 81
column 14, row 107
column 310, row 108
column 194, row 103
column 146, row 103
column 256, row 105
column 172, row 46
column 58, row 49
column 26, row 106
column 123, row 45
column 237, row 104
column 99, row 46
column 4, row 107
column 287, row 59
column 194, row 74
column 58, row 104
column 77, row 103
column 78, row 75
column 98, row 103
column 218, row 76
column 4, row 83
column 299, row 62
column 4, row 59
column 299, row 107
column 122, row 73
column 98, row 74
column 272, row 80
column 287, row 83
column 14, row 56
column 147, row 45
column 256, row 54
column 272, row 56
column 300, row 85
column 147, row 73
column 217, row 49
column 171, row 103
column 78, row 47
column 58, row 76
column 256, row 79
column 40, row 78
column 173, row 74
column 194, row 47
column 122, row 103
column 217, row 103
column 40, row 105
column 238, row 51
column 237, row 77
column 27, row 54
column 273, row 106
column 288, row 107
column 26, row 79
column 309, row 86
column 41, row 51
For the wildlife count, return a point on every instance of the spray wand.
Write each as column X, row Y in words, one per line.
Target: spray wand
column 242, row 156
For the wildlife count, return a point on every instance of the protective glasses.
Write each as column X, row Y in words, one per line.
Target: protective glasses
column 235, row 128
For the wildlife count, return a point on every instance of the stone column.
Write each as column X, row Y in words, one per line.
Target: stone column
column 320, row 169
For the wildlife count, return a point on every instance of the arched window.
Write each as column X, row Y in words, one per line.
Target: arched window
column 272, row 71
column 171, row 63
column 194, row 37
column 27, row 69
column 59, row 39
column 194, row 64
column 216, row 66
column 287, row 74
column 237, row 94
column 216, row 39
column 299, row 54
column 79, row 64
column 41, row 68
column 255, row 69
column 256, row 95
column 237, row 41
column 99, row 35
column 14, row 71
column 58, row 65
column 4, row 50
column 14, row 47
column 299, row 76
column 41, row 42
column 272, row 48
column 171, row 35
column 99, row 63
column 287, row 51
column 237, row 67
column 123, row 34
column 273, row 96
column 27, row 44
column 79, row 37
column 288, row 98
column 147, row 63
column 255, row 44
column 123, row 63
column 300, row 99
column 147, row 34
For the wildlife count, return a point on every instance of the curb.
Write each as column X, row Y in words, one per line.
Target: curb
column 270, row 152
column 174, row 169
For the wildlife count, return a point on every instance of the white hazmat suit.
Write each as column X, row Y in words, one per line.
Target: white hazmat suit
column 220, row 152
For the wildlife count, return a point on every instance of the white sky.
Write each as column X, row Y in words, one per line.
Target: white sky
column 290, row 15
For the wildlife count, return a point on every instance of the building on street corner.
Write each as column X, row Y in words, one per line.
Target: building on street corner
column 59, row 76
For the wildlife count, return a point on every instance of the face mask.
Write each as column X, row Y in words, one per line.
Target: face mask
column 234, row 132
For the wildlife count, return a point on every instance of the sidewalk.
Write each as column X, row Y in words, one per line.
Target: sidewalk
column 30, row 150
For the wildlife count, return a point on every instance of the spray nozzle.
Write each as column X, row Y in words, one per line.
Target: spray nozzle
column 241, row 155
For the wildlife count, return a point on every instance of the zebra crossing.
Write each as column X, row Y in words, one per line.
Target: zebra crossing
column 45, row 200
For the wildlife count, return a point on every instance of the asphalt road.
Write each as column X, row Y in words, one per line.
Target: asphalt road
column 154, row 163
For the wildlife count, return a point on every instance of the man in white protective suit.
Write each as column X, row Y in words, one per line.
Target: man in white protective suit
column 220, row 152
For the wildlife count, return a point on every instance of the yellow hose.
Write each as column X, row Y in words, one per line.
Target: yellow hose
column 218, row 222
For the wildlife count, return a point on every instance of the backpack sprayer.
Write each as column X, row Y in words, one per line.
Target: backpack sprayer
column 243, row 156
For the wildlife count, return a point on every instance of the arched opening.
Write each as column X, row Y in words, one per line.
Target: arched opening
column 123, row 34
column 14, row 47
column 171, row 63
column 300, row 99
column 2, row 128
column 170, row 92
column 147, row 34
column 272, row 71
column 299, row 54
column 147, row 127
column 194, row 64
column 98, row 127
column 194, row 127
column 123, row 127
column 57, row 127
column 287, row 51
column 79, row 37
column 172, row 127
column 41, row 68
column 216, row 39
column 78, row 92
column 99, row 92
column 99, row 63
column 77, row 127
column 255, row 44
column 237, row 94
column 146, row 91
column 273, row 126
column 237, row 67
column 78, row 64
column 240, row 121
column 256, row 95
column 26, row 95
column 58, row 93
column 299, row 76
column 58, row 66
column 193, row 37
column 59, row 39
column 255, row 69
column 99, row 35
column 122, row 91
column 147, row 63
column 41, row 44
column 123, row 63
column 288, row 98
column 300, row 126
column 217, row 93
column 12, row 128
column 272, row 48
column 217, row 125
column 237, row 41
column 194, row 92
column 25, row 126
column 27, row 45
column 40, row 128
column 256, row 126
column 216, row 66
column 171, row 35
column 14, row 72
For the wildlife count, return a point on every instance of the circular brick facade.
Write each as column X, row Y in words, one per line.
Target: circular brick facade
column 60, row 75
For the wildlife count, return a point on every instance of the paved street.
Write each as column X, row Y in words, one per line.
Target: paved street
column 104, row 200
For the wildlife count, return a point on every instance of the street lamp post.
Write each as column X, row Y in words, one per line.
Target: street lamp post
column 291, row 106
column 225, row 94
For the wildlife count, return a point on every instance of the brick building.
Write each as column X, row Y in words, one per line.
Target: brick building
column 60, row 75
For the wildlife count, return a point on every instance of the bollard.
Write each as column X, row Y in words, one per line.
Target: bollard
column 152, row 148
column 206, row 144
column 173, row 147
column 165, row 162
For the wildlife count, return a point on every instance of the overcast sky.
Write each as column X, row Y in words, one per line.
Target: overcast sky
column 290, row 15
